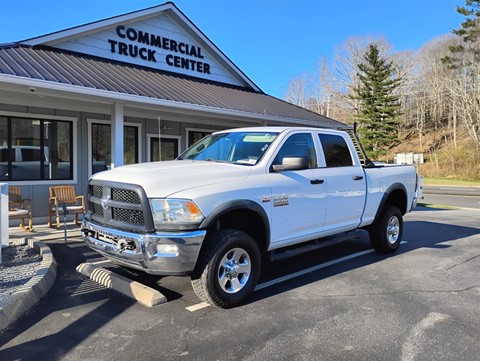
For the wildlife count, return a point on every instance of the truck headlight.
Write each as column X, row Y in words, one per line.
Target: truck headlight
column 175, row 213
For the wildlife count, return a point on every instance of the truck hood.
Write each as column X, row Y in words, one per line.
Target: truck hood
column 163, row 179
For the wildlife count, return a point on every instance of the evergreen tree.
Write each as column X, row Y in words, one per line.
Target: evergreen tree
column 379, row 106
column 469, row 33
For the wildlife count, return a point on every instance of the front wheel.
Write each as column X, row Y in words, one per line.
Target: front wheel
column 386, row 233
column 228, row 268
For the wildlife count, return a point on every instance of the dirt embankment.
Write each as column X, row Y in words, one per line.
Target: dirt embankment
column 445, row 156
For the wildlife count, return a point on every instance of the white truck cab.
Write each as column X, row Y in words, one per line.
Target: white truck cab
column 237, row 194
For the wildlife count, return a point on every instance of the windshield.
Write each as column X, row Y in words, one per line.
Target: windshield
column 245, row 148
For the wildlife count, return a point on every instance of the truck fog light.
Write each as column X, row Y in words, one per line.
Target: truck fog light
column 167, row 249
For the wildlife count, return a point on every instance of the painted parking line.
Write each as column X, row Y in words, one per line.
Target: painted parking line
column 295, row 275
column 197, row 307
column 101, row 262
column 311, row 269
column 314, row 268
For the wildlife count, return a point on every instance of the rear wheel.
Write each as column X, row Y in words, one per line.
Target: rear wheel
column 228, row 269
column 386, row 233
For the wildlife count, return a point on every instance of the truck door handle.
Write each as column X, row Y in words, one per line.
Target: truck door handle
column 316, row 181
column 357, row 177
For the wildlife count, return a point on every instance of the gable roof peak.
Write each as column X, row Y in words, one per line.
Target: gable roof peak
column 74, row 39
column 54, row 37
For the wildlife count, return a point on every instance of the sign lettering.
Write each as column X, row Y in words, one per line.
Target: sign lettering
column 180, row 56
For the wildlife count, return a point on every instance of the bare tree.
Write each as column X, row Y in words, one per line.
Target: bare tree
column 464, row 60
column 345, row 68
column 440, row 100
column 297, row 91
column 464, row 89
column 426, row 102
column 321, row 88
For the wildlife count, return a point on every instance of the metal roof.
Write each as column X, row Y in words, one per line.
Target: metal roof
column 169, row 8
column 62, row 67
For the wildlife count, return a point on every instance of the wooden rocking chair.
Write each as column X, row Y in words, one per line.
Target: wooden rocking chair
column 64, row 195
column 19, row 208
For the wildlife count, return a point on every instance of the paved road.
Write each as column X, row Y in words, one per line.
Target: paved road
column 452, row 190
column 463, row 197
column 418, row 304
column 452, row 200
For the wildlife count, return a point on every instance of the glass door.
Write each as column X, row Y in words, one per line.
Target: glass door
column 166, row 149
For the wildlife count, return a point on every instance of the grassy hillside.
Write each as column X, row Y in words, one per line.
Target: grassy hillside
column 443, row 158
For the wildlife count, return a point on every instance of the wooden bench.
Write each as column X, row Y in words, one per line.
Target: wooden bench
column 64, row 196
column 19, row 208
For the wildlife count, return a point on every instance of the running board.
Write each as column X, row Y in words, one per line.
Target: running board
column 279, row 254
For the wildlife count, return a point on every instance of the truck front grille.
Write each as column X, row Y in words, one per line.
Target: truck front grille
column 128, row 215
column 124, row 195
column 97, row 209
column 120, row 205
column 96, row 191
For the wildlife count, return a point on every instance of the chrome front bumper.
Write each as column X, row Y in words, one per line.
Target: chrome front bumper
column 155, row 253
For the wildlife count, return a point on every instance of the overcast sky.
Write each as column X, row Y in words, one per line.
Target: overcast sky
column 271, row 41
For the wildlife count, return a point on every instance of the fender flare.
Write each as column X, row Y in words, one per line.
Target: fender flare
column 388, row 192
column 236, row 205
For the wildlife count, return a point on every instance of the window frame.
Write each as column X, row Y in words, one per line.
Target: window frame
column 91, row 121
column 315, row 143
column 150, row 136
column 321, row 149
column 200, row 130
column 74, row 142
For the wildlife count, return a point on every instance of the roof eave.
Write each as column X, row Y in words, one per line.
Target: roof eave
column 123, row 97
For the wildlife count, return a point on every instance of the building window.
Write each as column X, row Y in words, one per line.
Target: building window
column 195, row 135
column 101, row 146
column 163, row 148
column 35, row 149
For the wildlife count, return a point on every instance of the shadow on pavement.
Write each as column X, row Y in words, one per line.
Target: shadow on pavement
column 422, row 207
column 69, row 290
column 419, row 234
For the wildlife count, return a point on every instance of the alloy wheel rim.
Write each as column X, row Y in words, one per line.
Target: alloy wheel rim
column 393, row 230
column 234, row 270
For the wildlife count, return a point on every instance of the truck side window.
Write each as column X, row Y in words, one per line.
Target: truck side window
column 298, row 145
column 6, row 155
column 31, row 154
column 337, row 153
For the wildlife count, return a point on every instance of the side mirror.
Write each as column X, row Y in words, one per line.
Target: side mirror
column 291, row 163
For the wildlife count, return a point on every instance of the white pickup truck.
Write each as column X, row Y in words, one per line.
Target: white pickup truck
column 237, row 194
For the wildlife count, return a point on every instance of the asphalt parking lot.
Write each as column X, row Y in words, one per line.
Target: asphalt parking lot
column 422, row 303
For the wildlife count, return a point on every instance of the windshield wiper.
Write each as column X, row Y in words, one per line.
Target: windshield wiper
column 214, row 160
column 244, row 163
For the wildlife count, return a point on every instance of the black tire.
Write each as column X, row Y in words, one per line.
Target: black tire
column 386, row 232
column 228, row 268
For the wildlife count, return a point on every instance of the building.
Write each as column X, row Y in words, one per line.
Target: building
column 138, row 87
